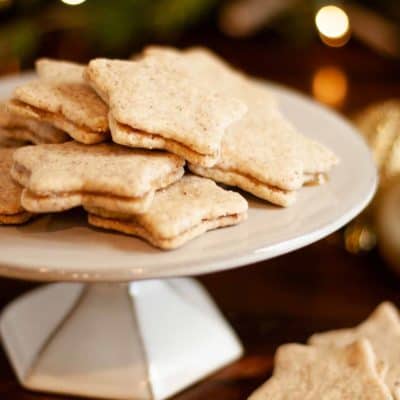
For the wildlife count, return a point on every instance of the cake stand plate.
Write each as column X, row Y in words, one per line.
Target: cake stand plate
column 125, row 323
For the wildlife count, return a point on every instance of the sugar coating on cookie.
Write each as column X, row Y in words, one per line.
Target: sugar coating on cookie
column 161, row 101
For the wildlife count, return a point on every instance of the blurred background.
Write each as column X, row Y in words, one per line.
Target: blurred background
column 346, row 55
column 80, row 29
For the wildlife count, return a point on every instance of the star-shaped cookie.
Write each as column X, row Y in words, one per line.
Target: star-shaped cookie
column 262, row 153
column 382, row 329
column 179, row 213
column 311, row 373
column 158, row 102
column 61, row 98
column 28, row 130
column 11, row 211
column 58, row 177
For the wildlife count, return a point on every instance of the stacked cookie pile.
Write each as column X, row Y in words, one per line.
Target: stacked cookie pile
column 116, row 138
column 360, row 363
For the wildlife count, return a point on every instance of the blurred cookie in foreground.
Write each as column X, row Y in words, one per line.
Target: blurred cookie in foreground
column 57, row 177
column 312, row 373
column 382, row 329
column 179, row 213
column 11, row 211
column 62, row 98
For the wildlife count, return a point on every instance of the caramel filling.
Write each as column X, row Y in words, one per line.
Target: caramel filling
column 310, row 179
column 51, row 117
column 130, row 130
column 204, row 220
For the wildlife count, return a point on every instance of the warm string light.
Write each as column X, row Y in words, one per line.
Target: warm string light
column 333, row 25
column 330, row 86
column 5, row 3
column 73, row 2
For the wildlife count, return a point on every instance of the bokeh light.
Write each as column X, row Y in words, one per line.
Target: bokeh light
column 73, row 2
column 5, row 3
column 333, row 25
column 330, row 86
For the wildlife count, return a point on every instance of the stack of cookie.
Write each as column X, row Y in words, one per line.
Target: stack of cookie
column 11, row 210
column 154, row 114
column 17, row 130
column 361, row 363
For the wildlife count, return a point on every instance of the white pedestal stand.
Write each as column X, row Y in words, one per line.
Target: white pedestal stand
column 144, row 340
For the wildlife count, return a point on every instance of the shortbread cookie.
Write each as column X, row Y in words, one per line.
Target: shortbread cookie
column 179, row 213
column 109, row 176
column 310, row 373
column 382, row 329
column 28, row 130
column 159, row 103
column 265, row 155
column 11, row 211
column 216, row 72
column 211, row 68
column 67, row 103
column 59, row 71
column 261, row 153
column 260, row 156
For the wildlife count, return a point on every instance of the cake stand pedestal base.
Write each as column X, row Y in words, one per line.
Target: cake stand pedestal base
column 143, row 340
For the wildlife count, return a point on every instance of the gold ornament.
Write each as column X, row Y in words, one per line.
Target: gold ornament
column 380, row 125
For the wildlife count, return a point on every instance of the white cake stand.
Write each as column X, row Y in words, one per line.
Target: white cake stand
column 127, row 327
